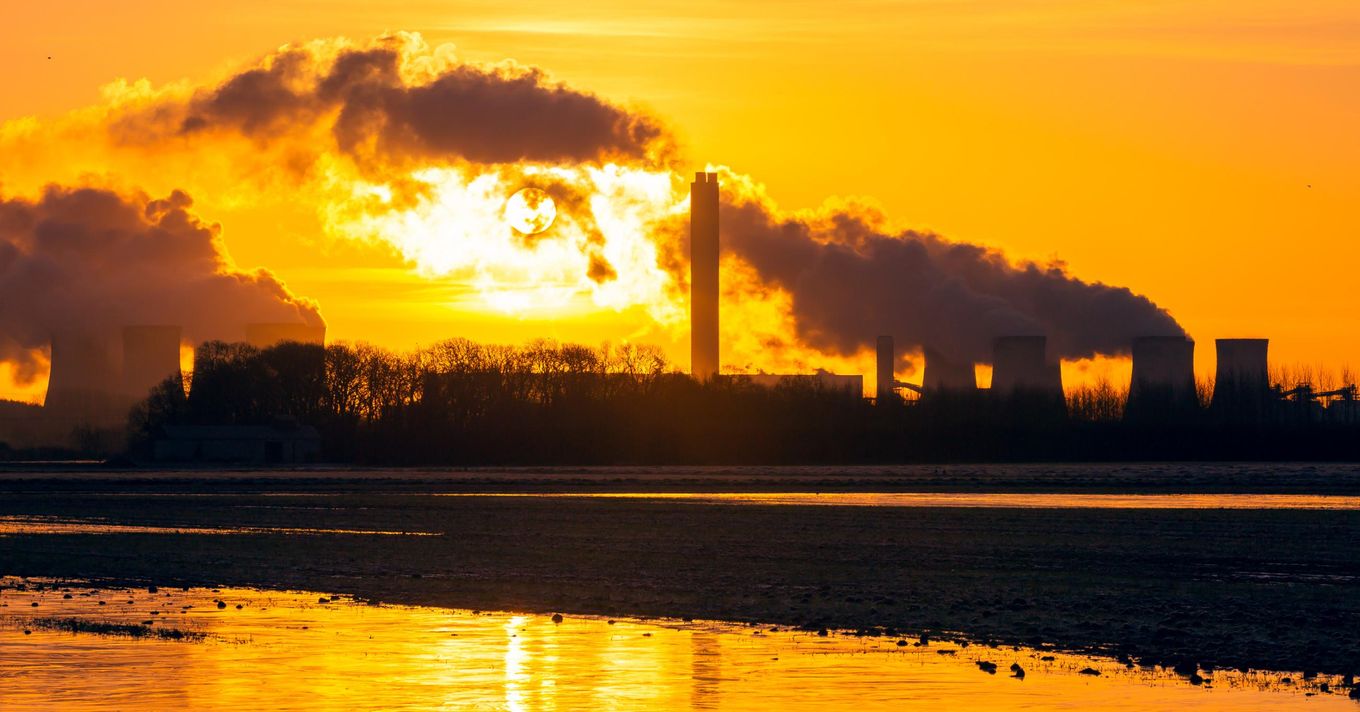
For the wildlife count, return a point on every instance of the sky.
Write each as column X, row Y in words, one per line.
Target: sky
column 1202, row 154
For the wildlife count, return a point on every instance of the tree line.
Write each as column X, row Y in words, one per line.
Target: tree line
column 461, row 402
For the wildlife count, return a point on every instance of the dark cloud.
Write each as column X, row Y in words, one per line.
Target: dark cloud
column 851, row 282
column 87, row 260
column 467, row 112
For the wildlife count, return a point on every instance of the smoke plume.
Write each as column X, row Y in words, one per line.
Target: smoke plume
column 851, row 281
column 404, row 146
column 396, row 101
column 90, row 260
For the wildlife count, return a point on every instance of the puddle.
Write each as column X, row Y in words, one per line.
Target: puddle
column 287, row 650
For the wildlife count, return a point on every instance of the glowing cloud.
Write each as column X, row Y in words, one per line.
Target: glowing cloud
column 399, row 145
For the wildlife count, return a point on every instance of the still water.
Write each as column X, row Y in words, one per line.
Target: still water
column 248, row 649
column 29, row 525
column 1016, row 500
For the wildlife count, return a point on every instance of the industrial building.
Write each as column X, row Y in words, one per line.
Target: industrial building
column 946, row 374
column 1020, row 364
column 280, row 443
column 150, row 356
column 942, row 374
column 885, row 367
column 849, row 385
column 97, row 375
column 1242, row 392
column 1162, row 388
column 84, row 383
column 705, row 293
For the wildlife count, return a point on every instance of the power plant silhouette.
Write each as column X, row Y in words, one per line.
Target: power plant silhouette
column 705, row 293
column 94, row 378
column 1162, row 387
column 96, row 375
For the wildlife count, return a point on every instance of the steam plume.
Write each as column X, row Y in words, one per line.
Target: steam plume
column 398, row 143
column 394, row 100
column 90, row 260
column 850, row 281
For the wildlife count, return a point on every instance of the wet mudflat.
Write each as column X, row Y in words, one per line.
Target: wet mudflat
column 1275, row 589
column 253, row 649
column 1107, row 478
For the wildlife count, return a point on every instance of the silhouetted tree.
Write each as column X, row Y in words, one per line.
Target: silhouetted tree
column 459, row 402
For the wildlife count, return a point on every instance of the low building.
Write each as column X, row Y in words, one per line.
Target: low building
column 285, row 443
column 850, row 385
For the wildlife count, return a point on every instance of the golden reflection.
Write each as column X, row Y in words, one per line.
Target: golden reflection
column 1016, row 500
column 515, row 659
column 29, row 525
column 705, row 670
column 265, row 650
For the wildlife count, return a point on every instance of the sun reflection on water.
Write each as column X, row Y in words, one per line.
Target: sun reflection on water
column 516, row 658
column 294, row 650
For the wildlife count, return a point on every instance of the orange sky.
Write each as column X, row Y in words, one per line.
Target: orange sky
column 1168, row 147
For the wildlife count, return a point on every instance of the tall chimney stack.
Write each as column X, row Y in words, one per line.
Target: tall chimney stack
column 703, row 279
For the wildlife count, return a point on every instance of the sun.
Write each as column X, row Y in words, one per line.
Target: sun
column 530, row 211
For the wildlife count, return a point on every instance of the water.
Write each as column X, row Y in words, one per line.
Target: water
column 1011, row 500
column 30, row 525
column 287, row 650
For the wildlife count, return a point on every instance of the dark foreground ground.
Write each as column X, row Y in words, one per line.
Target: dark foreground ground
column 1265, row 589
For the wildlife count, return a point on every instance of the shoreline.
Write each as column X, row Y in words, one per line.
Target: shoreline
column 1339, row 478
column 1107, row 654
column 1259, row 589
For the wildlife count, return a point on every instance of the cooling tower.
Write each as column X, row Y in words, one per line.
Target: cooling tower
column 1242, row 382
column 703, row 265
column 944, row 374
column 885, row 371
column 1243, row 362
column 1020, row 364
column 150, row 355
column 83, row 385
column 1163, row 383
column 262, row 336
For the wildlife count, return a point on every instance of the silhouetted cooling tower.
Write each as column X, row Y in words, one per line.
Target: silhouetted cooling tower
column 944, row 374
column 703, row 279
column 885, row 367
column 1242, row 381
column 262, row 336
column 83, row 385
column 1020, row 364
column 1163, row 383
column 150, row 355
